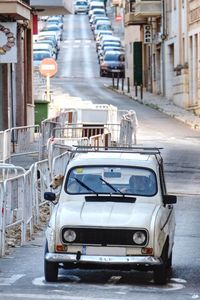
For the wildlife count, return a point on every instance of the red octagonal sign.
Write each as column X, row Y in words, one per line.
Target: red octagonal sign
column 48, row 67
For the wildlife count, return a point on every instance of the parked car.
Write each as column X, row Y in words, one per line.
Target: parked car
column 102, row 25
column 55, row 20
column 102, row 52
column 113, row 212
column 54, row 28
column 103, row 39
column 81, row 7
column 108, row 44
column 38, row 56
column 97, row 18
column 44, row 47
column 103, row 33
column 95, row 5
column 113, row 64
column 98, row 12
column 51, row 43
column 50, row 36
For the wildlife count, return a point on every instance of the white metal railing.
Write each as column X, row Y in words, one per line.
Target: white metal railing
column 5, row 150
column 25, row 140
column 9, row 170
column 59, row 163
column 57, row 146
column 20, row 199
column 21, row 192
column 2, row 225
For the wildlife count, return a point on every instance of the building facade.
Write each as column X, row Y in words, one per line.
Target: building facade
column 193, row 47
column 15, row 63
column 16, row 57
column 170, row 54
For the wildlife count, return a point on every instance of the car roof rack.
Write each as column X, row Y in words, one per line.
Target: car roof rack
column 118, row 149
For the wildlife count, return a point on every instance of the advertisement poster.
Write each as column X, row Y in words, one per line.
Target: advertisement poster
column 8, row 42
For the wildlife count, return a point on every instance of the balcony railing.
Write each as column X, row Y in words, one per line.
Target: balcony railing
column 48, row 7
column 137, row 11
column 148, row 8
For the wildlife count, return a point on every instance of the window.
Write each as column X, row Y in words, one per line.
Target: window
column 117, row 180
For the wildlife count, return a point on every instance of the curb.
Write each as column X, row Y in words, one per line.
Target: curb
column 195, row 125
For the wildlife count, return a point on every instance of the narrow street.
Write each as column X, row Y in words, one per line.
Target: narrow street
column 21, row 272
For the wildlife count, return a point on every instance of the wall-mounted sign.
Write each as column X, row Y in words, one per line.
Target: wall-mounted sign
column 8, row 47
column 147, row 34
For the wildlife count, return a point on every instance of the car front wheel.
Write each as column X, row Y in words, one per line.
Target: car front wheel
column 160, row 274
column 50, row 269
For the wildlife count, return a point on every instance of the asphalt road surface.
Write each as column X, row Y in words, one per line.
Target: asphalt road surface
column 21, row 272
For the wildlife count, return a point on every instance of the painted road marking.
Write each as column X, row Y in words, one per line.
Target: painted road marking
column 173, row 285
column 10, row 280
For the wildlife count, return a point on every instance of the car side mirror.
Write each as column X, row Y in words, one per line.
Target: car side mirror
column 169, row 199
column 50, row 196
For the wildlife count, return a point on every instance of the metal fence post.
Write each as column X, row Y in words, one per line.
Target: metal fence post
column 128, row 85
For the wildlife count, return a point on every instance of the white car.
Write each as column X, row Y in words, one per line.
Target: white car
column 81, row 7
column 113, row 212
column 44, row 47
column 51, row 34
column 102, row 26
column 38, row 56
column 95, row 5
column 104, row 39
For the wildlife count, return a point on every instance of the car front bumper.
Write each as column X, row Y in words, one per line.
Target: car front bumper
column 105, row 259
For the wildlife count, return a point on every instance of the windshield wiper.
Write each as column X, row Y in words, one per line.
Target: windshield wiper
column 85, row 186
column 111, row 186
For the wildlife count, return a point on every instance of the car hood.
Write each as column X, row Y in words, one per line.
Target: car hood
column 81, row 213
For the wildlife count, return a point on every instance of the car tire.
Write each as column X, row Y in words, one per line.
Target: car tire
column 101, row 73
column 160, row 274
column 50, row 268
column 169, row 262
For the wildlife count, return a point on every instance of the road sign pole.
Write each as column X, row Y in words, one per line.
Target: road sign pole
column 48, row 87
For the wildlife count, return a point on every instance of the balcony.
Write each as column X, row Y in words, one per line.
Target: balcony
column 148, row 8
column 130, row 18
column 14, row 10
column 137, row 11
column 52, row 7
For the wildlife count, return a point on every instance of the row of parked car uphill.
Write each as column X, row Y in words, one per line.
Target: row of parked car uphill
column 110, row 52
column 47, row 43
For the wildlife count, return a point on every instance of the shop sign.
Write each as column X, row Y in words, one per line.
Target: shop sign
column 8, row 42
column 147, row 34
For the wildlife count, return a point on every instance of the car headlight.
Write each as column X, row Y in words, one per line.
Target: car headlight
column 139, row 237
column 69, row 235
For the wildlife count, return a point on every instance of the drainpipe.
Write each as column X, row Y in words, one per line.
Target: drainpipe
column 13, row 95
column 164, row 34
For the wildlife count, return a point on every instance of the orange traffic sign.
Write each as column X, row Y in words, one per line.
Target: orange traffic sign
column 48, row 67
column 118, row 18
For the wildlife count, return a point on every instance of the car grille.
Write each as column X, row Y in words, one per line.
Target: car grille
column 103, row 237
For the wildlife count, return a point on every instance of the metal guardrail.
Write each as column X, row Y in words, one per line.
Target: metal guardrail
column 21, row 192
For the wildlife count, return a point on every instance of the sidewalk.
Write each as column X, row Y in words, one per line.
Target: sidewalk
column 164, row 105
column 154, row 101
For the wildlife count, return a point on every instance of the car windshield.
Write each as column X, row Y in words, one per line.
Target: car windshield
column 51, row 28
column 113, row 180
column 40, row 55
column 103, row 27
column 114, row 57
column 81, row 3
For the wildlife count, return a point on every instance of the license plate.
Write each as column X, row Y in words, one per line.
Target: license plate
column 90, row 250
